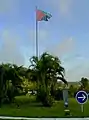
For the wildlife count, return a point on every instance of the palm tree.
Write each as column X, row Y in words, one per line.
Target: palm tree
column 46, row 70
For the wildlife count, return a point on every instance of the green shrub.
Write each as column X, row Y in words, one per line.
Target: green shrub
column 57, row 94
column 48, row 101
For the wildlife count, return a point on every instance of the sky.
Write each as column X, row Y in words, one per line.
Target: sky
column 65, row 35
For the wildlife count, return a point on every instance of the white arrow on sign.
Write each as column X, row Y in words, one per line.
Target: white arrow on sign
column 83, row 97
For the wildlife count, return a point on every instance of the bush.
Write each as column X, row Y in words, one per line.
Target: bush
column 6, row 100
column 75, row 94
column 72, row 90
column 48, row 101
column 57, row 94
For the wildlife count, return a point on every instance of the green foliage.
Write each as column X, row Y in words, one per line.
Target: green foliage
column 48, row 101
column 42, row 76
column 11, row 93
column 44, row 96
column 10, row 81
column 59, row 94
column 72, row 90
column 84, row 82
column 46, row 71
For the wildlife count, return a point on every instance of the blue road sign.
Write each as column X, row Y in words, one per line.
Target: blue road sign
column 81, row 97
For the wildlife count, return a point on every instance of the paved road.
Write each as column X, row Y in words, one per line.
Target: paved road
column 23, row 118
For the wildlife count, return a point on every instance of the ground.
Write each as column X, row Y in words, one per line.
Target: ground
column 27, row 107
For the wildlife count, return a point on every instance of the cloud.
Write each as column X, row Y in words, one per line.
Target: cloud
column 10, row 50
column 43, row 35
column 7, row 6
column 64, row 7
column 61, row 49
column 76, row 68
column 16, row 47
column 72, row 57
column 76, row 73
column 76, row 65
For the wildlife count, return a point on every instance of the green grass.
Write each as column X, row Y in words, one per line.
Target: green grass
column 29, row 108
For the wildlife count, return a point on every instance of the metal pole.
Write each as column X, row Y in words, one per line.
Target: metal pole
column 36, row 34
column 82, row 108
column 37, row 44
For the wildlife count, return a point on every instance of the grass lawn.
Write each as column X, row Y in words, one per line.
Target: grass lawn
column 29, row 108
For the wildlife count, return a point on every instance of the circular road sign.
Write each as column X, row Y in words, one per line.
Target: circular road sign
column 81, row 97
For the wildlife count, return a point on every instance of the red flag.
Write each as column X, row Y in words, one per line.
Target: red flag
column 39, row 15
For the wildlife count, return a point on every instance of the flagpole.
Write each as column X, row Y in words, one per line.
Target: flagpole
column 36, row 34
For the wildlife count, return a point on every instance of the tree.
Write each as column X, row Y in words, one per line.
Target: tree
column 46, row 70
column 72, row 90
column 10, row 73
column 84, row 82
column 20, row 69
column 2, row 85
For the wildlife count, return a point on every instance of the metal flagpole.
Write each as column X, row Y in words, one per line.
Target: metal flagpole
column 37, row 44
column 36, row 34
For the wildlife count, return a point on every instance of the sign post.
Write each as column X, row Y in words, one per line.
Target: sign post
column 65, row 98
column 82, row 98
column 82, row 108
